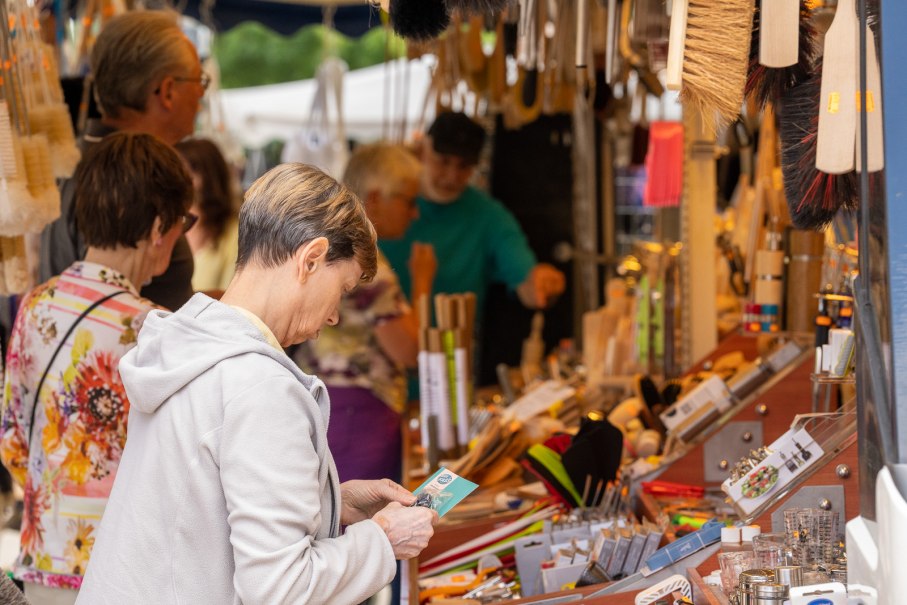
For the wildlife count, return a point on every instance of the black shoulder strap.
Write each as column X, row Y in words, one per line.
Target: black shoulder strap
column 53, row 357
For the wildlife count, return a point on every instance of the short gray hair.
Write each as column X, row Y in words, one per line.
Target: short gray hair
column 293, row 204
column 133, row 54
column 382, row 167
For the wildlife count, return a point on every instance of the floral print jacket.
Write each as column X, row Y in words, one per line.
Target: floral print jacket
column 80, row 424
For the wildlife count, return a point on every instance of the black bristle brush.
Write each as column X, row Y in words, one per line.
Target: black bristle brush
column 766, row 84
column 813, row 197
column 419, row 19
column 478, row 7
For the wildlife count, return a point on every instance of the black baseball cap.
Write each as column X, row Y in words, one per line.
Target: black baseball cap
column 455, row 133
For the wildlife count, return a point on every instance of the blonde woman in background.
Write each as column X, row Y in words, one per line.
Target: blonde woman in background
column 213, row 241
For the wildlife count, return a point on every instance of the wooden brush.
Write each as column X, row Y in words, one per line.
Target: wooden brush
column 707, row 54
column 813, row 196
column 766, row 84
column 419, row 19
column 779, row 37
column 838, row 110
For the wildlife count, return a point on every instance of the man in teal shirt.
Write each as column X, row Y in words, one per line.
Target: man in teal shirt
column 477, row 241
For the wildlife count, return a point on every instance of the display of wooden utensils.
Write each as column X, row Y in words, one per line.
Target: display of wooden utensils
column 549, row 35
column 445, row 374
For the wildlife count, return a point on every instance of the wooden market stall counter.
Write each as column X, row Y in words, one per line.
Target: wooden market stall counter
column 775, row 409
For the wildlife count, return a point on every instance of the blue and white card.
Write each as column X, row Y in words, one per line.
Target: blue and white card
column 443, row 490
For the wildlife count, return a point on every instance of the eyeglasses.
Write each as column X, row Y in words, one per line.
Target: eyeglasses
column 189, row 219
column 203, row 80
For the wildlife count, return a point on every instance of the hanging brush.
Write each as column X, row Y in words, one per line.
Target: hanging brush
column 838, row 110
column 708, row 49
column 772, row 73
column 478, row 7
column 813, row 197
column 419, row 19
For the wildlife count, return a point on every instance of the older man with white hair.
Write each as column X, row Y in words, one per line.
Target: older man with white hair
column 147, row 79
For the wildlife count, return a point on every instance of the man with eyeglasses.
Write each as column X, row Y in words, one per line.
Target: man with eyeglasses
column 147, row 79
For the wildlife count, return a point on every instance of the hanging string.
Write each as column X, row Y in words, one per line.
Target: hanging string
column 385, row 123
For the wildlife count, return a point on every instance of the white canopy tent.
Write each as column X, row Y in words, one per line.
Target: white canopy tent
column 378, row 102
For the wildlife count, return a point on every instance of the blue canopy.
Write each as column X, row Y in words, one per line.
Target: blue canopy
column 287, row 17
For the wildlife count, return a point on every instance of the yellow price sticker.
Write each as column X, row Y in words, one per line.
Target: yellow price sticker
column 870, row 102
column 834, row 102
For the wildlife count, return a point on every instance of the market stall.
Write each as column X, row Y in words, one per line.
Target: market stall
column 705, row 408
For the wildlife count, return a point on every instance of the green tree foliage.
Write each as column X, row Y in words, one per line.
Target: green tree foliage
column 253, row 55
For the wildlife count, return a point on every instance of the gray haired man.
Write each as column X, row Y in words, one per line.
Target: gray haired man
column 148, row 79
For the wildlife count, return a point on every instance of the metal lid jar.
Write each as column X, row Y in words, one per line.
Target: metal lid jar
column 748, row 580
column 789, row 575
column 769, row 594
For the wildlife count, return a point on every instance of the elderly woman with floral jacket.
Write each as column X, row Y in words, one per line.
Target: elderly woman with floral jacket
column 64, row 406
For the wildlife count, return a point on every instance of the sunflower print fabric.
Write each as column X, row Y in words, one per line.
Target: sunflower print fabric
column 80, row 424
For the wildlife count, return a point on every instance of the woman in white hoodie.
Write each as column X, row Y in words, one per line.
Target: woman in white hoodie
column 227, row 491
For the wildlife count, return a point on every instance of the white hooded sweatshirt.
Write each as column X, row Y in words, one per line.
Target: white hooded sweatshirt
column 226, row 492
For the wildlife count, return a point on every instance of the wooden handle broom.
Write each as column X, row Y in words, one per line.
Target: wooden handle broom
column 708, row 50
column 837, row 108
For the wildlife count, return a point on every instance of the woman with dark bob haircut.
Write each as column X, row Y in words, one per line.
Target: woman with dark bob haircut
column 227, row 490
column 64, row 405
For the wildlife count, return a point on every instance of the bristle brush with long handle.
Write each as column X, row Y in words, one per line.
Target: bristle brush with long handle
column 708, row 52
column 837, row 107
column 813, row 197
column 767, row 84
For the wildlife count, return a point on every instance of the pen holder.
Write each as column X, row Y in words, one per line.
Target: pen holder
column 812, row 533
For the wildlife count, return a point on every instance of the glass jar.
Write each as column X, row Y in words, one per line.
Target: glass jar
column 732, row 564
column 772, row 550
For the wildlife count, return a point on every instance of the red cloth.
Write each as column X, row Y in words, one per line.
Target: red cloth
column 664, row 165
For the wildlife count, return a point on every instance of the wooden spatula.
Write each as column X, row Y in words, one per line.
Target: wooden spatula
column 837, row 108
column 779, row 32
